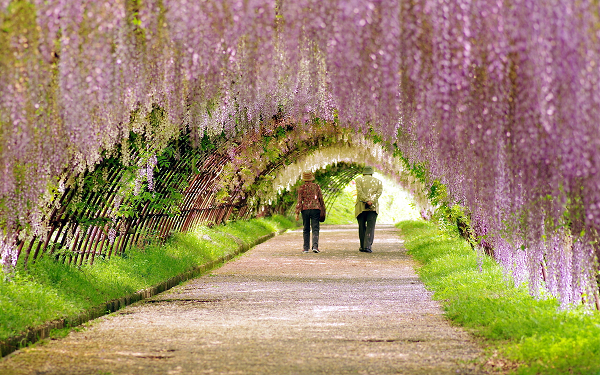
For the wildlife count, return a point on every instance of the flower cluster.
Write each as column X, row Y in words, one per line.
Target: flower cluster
column 8, row 254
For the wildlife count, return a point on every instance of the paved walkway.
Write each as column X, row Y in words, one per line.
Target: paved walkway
column 275, row 310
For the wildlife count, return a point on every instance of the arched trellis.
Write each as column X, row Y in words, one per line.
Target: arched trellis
column 333, row 184
column 105, row 211
column 338, row 164
column 79, row 232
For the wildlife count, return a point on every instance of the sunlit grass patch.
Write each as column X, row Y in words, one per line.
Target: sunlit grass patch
column 342, row 211
column 25, row 302
column 536, row 333
column 249, row 230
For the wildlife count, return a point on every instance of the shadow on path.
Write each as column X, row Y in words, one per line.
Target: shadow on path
column 275, row 310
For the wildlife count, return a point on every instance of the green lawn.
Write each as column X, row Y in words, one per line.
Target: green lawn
column 536, row 334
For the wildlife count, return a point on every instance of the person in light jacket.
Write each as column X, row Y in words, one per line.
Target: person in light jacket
column 368, row 191
column 310, row 204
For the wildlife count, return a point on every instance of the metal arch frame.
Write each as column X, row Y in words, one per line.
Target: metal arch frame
column 195, row 174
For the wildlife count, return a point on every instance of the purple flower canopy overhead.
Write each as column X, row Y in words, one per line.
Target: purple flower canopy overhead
column 500, row 100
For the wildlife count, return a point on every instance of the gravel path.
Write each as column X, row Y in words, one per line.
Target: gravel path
column 275, row 310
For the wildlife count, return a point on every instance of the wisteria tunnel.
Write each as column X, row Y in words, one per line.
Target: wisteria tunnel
column 134, row 119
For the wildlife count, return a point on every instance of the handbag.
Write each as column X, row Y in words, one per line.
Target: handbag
column 323, row 214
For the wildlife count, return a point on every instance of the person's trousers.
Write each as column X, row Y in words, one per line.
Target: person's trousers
column 366, row 228
column 310, row 219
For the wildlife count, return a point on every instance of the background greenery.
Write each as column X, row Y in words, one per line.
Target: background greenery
column 395, row 205
column 534, row 334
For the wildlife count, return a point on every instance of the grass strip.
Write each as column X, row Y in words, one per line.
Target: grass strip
column 50, row 290
column 533, row 333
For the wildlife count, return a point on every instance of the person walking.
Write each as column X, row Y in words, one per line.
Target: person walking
column 310, row 203
column 368, row 191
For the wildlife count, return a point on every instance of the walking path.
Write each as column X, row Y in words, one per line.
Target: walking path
column 275, row 310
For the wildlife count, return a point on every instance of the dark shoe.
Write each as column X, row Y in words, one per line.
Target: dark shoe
column 365, row 251
column 316, row 251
